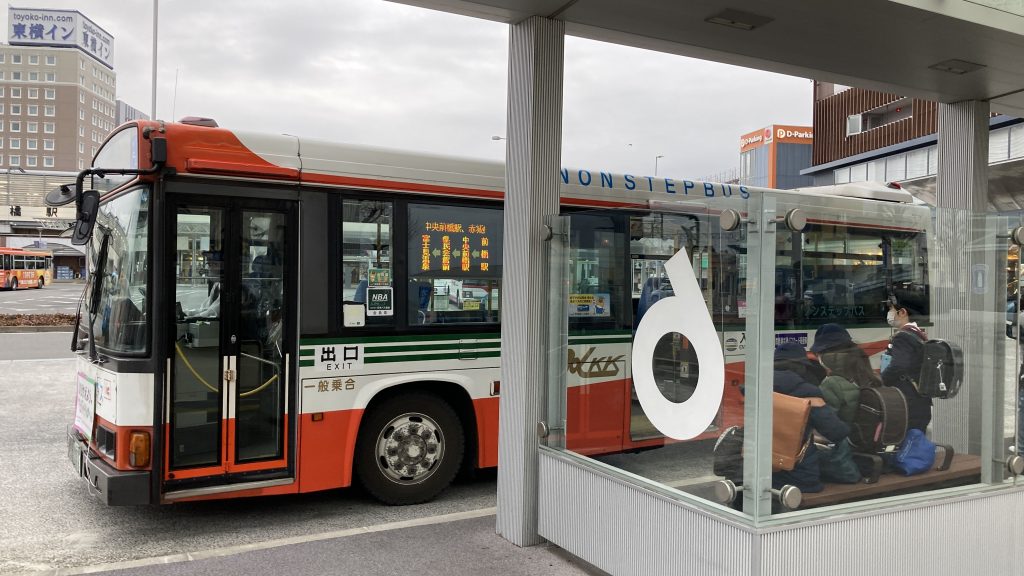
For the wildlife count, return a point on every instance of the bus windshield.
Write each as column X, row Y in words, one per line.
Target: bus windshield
column 120, row 321
column 120, row 151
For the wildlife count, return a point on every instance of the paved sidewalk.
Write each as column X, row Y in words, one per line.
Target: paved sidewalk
column 453, row 545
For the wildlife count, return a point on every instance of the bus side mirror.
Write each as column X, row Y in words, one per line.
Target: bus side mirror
column 86, row 218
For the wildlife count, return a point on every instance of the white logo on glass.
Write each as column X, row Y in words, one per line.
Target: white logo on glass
column 686, row 314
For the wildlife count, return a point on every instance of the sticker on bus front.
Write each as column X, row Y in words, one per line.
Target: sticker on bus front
column 85, row 406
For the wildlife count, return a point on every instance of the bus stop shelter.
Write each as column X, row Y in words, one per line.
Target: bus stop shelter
column 963, row 54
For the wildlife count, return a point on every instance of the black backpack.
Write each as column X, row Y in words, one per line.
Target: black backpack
column 880, row 421
column 942, row 369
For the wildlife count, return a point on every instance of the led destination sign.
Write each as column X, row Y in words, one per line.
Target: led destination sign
column 454, row 243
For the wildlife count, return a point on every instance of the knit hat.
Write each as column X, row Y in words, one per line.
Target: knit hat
column 829, row 336
column 790, row 351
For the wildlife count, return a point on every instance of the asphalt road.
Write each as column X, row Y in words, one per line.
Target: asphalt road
column 55, row 298
column 49, row 521
column 35, row 345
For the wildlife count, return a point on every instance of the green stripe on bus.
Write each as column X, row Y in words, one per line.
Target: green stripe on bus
column 580, row 341
column 427, row 357
column 306, row 363
column 427, row 347
column 401, row 338
column 307, row 352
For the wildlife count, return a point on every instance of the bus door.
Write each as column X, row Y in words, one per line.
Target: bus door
column 232, row 263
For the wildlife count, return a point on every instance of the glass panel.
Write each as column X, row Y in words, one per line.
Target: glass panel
column 917, row 163
column 366, row 258
column 260, row 404
column 896, row 168
column 123, row 225
column 858, row 172
column 454, row 264
column 1016, row 141
column 999, row 145
column 195, row 392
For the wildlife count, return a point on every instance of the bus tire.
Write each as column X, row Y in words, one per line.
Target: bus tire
column 409, row 448
column 39, row 283
column 14, row 284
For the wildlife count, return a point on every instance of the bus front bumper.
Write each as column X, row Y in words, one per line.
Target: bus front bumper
column 112, row 487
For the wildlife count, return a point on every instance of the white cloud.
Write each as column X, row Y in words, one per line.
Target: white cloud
column 393, row 75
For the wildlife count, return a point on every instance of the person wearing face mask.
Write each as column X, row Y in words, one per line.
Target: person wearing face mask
column 901, row 365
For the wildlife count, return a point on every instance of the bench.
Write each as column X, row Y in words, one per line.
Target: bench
column 962, row 469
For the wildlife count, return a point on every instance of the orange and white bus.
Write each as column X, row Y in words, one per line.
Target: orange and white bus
column 20, row 268
column 275, row 315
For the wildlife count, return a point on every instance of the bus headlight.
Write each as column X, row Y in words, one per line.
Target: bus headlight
column 138, row 449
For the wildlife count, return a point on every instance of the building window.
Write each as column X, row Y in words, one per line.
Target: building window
column 81, row 147
column 15, row 92
column 49, row 127
column 15, row 126
column 30, row 161
column 51, row 77
column 81, row 164
column 33, row 76
column 81, row 64
column 1, row 108
column 14, row 160
column 3, row 57
column 31, row 144
column 33, row 110
column 16, row 75
column 32, row 127
column 51, row 60
column 15, row 58
column 81, row 98
column 47, row 161
column 15, row 109
column 81, row 114
column 1, row 142
column 15, row 143
column 50, row 94
column 33, row 59
column 1, row 91
column 49, row 110
column 47, row 143
column 33, row 92
column 81, row 131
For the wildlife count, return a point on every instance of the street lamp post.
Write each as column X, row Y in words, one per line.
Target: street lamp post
column 656, row 158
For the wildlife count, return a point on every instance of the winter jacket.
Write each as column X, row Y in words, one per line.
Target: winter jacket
column 806, row 475
column 906, row 348
column 842, row 395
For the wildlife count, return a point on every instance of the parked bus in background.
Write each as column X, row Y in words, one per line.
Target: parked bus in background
column 20, row 268
column 260, row 321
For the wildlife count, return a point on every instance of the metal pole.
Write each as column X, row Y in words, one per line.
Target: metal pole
column 656, row 158
column 156, row 12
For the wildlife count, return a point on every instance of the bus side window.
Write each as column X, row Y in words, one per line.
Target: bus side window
column 367, row 276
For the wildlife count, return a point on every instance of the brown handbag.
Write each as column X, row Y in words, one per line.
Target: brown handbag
column 789, row 426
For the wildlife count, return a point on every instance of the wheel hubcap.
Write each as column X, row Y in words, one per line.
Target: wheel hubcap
column 409, row 448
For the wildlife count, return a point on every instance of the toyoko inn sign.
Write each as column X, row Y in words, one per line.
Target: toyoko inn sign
column 59, row 28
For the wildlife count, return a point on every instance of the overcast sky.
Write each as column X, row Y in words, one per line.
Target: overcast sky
column 374, row 72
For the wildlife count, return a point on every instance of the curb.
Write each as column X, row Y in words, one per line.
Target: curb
column 12, row 329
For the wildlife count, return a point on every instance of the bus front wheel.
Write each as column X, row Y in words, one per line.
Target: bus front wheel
column 409, row 448
column 14, row 284
column 39, row 284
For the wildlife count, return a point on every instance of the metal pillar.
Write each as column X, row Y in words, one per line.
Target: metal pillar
column 533, row 158
column 961, row 189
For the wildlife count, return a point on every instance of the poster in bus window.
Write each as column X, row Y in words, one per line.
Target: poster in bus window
column 379, row 302
column 379, row 277
column 589, row 305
